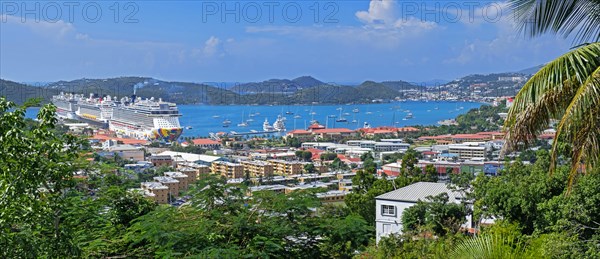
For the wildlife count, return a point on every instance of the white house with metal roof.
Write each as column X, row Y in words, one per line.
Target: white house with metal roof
column 391, row 205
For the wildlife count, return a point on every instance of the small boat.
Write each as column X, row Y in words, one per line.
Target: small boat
column 354, row 121
column 289, row 113
column 216, row 116
column 188, row 127
column 409, row 116
column 226, row 123
column 342, row 119
column 355, row 110
column 339, row 109
column 249, row 120
column 332, row 116
column 368, row 113
column 346, row 114
column 253, row 131
column 297, row 117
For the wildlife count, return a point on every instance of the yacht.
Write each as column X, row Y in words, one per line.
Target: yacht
column 267, row 127
column 279, row 124
column 355, row 110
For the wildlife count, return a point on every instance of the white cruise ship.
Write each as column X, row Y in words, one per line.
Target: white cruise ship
column 146, row 119
column 131, row 117
column 66, row 105
column 95, row 110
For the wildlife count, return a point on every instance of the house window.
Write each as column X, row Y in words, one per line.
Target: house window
column 388, row 210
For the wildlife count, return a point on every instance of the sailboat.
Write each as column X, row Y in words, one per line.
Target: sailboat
column 226, row 123
column 341, row 118
column 243, row 123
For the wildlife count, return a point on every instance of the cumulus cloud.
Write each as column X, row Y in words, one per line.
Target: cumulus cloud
column 383, row 14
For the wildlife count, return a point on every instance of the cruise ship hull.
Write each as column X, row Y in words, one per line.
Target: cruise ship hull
column 135, row 131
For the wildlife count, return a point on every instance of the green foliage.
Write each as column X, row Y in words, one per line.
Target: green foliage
column 303, row 155
column 410, row 246
column 436, row 215
column 309, row 168
column 219, row 221
column 328, row 156
column 293, row 142
column 188, row 149
column 36, row 170
column 431, row 174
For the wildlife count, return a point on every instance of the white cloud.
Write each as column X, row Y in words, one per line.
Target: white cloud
column 50, row 30
column 211, row 46
column 381, row 12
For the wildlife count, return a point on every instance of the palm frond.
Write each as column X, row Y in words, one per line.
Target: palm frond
column 488, row 246
column 548, row 94
column 580, row 125
column 578, row 18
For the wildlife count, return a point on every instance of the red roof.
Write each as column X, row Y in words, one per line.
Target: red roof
column 128, row 141
column 204, row 141
column 299, row 131
column 435, row 137
column 469, row 136
column 340, row 130
column 429, row 153
column 316, row 126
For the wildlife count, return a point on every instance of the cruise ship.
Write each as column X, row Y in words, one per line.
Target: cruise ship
column 95, row 110
column 146, row 119
column 66, row 105
column 130, row 117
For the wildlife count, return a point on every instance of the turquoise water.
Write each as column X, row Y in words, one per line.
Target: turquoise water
column 200, row 117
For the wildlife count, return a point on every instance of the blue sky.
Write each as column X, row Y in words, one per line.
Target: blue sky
column 239, row 41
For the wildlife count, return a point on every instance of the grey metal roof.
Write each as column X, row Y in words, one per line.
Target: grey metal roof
column 420, row 191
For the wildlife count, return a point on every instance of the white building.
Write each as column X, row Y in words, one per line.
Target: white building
column 391, row 205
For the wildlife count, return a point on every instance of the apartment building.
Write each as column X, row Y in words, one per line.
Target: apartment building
column 286, row 167
column 467, row 151
column 156, row 191
column 194, row 171
column 227, row 169
column 258, row 168
column 171, row 183
column 160, row 160
column 181, row 177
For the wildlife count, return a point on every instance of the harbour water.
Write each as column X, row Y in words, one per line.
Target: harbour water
column 200, row 120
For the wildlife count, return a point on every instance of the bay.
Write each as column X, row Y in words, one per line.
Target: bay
column 200, row 120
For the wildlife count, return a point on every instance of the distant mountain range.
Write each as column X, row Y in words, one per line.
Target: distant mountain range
column 301, row 90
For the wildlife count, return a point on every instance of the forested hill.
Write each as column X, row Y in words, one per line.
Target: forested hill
column 302, row 90
column 278, row 85
column 19, row 93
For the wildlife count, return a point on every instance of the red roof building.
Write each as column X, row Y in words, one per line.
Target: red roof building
column 206, row 143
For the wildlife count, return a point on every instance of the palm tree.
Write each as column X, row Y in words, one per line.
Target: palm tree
column 566, row 89
column 489, row 246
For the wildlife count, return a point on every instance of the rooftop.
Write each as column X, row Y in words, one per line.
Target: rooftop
column 420, row 191
column 205, row 141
